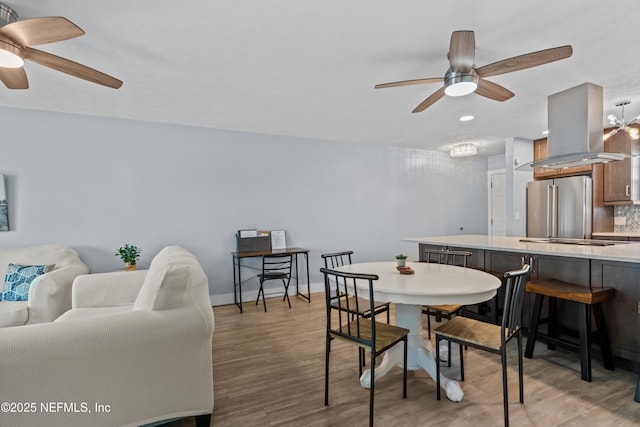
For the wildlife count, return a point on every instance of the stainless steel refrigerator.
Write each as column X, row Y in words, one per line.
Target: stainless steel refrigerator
column 560, row 207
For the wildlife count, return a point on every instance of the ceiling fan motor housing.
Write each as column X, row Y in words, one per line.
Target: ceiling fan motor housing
column 7, row 15
column 460, row 83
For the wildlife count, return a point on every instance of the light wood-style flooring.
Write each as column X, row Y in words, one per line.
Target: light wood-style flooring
column 268, row 370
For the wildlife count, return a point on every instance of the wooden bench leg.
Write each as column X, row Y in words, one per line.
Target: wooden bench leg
column 535, row 319
column 584, row 315
column 603, row 335
column 553, row 321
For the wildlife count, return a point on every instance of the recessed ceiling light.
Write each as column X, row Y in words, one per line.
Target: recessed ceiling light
column 545, row 132
column 466, row 118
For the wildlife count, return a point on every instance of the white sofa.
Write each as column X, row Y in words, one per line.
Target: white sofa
column 49, row 294
column 134, row 349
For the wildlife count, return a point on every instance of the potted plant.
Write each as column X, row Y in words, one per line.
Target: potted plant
column 129, row 254
column 402, row 258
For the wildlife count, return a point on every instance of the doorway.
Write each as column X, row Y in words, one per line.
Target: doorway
column 497, row 203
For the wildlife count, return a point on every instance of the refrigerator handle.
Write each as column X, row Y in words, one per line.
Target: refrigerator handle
column 553, row 208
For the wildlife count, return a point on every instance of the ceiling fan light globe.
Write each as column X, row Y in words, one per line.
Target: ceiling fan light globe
column 461, row 89
column 10, row 60
column 460, row 84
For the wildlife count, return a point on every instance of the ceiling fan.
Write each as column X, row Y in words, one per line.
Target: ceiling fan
column 17, row 37
column 621, row 124
column 463, row 78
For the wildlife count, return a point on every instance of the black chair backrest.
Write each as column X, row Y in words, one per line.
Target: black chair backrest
column 445, row 256
column 276, row 264
column 337, row 259
column 341, row 285
column 514, row 296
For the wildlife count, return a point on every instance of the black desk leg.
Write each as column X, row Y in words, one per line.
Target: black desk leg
column 237, row 299
column 308, row 296
column 306, row 258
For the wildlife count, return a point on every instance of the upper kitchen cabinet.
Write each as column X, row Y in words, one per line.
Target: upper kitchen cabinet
column 540, row 151
column 621, row 178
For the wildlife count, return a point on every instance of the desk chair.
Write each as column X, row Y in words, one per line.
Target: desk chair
column 490, row 337
column 363, row 332
column 275, row 267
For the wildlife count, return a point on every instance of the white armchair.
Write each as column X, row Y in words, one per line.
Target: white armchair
column 49, row 294
column 134, row 349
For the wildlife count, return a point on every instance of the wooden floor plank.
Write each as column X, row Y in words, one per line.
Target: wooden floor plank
column 269, row 371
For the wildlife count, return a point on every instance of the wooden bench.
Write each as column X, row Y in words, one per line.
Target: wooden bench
column 588, row 300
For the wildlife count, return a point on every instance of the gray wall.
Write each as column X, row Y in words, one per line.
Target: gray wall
column 96, row 183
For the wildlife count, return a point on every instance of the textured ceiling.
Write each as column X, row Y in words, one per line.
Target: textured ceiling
column 307, row 68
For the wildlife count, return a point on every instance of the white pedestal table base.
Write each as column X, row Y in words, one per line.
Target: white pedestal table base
column 419, row 353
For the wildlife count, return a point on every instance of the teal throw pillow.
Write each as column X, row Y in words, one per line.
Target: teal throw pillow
column 18, row 280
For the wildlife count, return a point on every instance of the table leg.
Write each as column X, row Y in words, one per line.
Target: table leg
column 419, row 353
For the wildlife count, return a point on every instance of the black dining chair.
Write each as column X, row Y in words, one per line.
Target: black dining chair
column 447, row 311
column 275, row 267
column 490, row 337
column 339, row 259
column 362, row 332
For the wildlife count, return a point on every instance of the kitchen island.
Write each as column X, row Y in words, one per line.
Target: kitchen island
column 614, row 266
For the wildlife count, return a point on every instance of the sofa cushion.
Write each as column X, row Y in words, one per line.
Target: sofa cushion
column 89, row 313
column 13, row 313
column 18, row 280
column 167, row 280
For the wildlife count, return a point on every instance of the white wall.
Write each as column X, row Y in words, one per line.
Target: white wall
column 518, row 151
column 96, row 183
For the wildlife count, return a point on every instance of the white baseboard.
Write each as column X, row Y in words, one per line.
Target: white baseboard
column 226, row 299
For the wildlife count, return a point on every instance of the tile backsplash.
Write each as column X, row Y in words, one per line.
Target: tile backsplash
column 632, row 215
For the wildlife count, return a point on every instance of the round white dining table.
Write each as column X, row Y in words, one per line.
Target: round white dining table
column 431, row 284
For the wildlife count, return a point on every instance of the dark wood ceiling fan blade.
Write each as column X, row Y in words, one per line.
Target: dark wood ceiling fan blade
column 32, row 32
column 410, row 82
column 14, row 78
column 72, row 68
column 462, row 51
column 493, row 91
column 435, row 96
column 525, row 61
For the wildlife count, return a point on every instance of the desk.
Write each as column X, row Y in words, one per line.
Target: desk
column 432, row 284
column 238, row 256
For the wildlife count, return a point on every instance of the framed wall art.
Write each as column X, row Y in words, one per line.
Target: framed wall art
column 4, row 211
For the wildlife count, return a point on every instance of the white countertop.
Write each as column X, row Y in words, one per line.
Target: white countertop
column 624, row 252
column 616, row 234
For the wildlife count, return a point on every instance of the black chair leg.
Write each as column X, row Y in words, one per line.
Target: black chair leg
column 261, row 291
column 637, row 398
column 404, row 376
column 429, row 324
column 505, row 391
column 326, row 371
column 461, row 364
column 286, row 291
column 520, row 368
column 203, row 420
column 437, row 368
column 372, row 387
